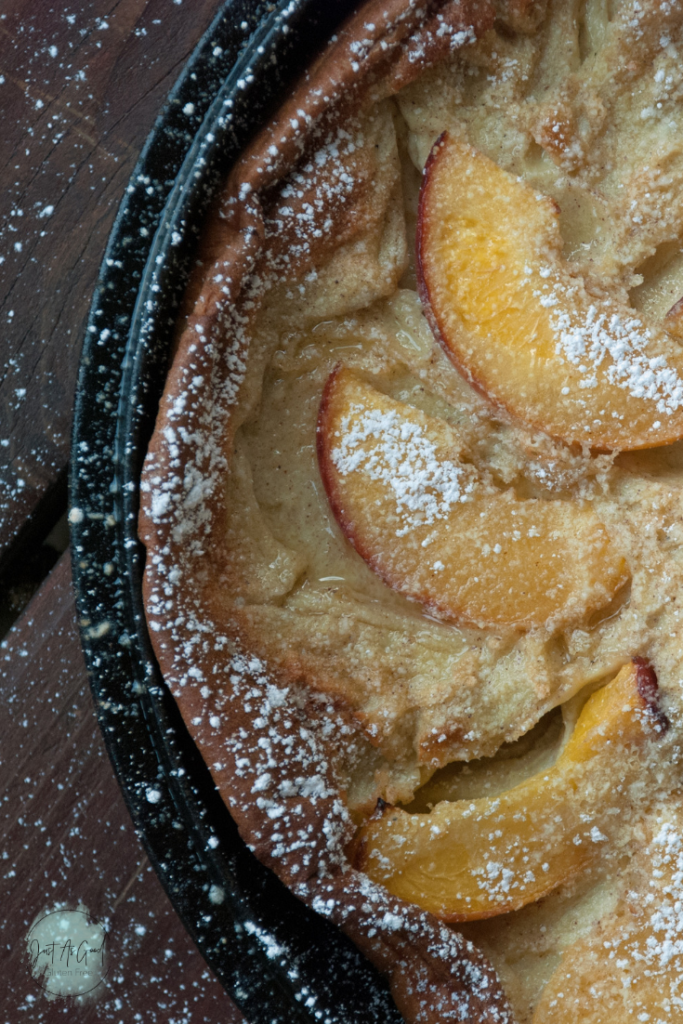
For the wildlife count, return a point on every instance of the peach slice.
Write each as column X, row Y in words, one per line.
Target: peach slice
column 434, row 529
column 673, row 321
column 520, row 324
column 472, row 859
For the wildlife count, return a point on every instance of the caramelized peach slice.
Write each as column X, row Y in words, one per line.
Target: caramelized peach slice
column 435, row 530
column 520, row 324
column 472, row 859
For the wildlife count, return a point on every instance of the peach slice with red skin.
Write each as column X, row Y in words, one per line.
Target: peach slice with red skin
column 518, row 322
column 673, row 321
column 471, row 859
column 437, row 531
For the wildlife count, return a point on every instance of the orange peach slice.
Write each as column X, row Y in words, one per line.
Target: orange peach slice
column 472, row 859
column 434, row 529
column 520, row 324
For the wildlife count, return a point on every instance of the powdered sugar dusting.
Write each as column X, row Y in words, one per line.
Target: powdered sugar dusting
column 661, row 940
column 275, row 750
column 282, row 761
column 666, row 920
column 604, row 336
column 182, row 497
column 457, row 38
column 377, row 913
column 401, row 456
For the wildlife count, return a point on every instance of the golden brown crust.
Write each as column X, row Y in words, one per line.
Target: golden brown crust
column 521, row 15
column 381, row 50
column 273, row 745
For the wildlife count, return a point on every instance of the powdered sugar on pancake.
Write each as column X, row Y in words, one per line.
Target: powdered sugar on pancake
column 666, row 915
column 401, row 456
column 621, row 340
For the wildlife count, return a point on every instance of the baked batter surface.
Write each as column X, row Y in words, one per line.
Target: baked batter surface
column 583, row 103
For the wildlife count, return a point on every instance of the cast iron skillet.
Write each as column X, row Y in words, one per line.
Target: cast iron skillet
column 278, row 960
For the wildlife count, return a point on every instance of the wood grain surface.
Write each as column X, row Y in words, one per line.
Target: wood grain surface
column 66, row 837
column 80, row 87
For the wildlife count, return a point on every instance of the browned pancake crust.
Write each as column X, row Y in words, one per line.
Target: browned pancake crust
column 273, row 746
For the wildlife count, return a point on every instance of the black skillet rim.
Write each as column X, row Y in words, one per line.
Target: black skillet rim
column 279, row 961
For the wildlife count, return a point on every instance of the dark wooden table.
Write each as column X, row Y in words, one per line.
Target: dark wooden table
column 80, row 87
